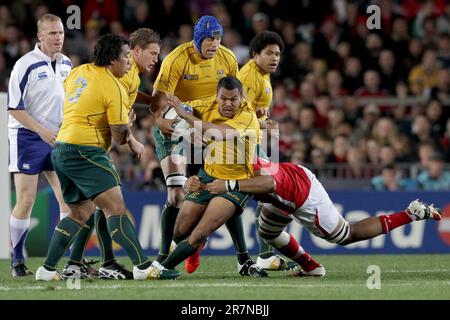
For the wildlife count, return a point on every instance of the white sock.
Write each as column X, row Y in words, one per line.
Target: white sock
column 17, row 228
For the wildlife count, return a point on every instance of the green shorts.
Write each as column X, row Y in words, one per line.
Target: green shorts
column 240, row 199
column 165, row 146
column 83, row 171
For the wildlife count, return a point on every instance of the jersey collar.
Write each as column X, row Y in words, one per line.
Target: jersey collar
column 37, row 50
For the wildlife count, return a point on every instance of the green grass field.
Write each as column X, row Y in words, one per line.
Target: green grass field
column 402, row 277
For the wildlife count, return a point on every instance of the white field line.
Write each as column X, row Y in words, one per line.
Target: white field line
column 170, row 284
column 338, row 272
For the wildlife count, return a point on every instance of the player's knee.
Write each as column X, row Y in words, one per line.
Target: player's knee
column 114, row 208
column 175, row 196
column 26, row 202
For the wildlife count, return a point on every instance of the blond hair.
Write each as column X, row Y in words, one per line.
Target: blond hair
column 45, row 18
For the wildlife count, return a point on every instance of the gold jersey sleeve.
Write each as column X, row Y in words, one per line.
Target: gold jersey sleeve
column 229, row 159
column 257, row 86
column 131, row 81
column 95, row 99
column 185, row 74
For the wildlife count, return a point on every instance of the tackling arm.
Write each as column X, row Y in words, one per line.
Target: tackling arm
column 258, row 184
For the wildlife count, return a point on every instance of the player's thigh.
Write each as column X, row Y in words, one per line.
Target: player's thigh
column 188, row 217
column 26, row 187
column 319, row 215
column 218, row 211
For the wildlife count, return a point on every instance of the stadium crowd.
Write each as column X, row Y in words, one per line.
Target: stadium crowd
column 331, row 64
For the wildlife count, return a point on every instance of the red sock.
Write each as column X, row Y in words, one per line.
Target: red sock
column 394, row 220
column 294, row 251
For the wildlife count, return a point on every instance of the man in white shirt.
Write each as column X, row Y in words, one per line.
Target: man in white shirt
column 35, row 105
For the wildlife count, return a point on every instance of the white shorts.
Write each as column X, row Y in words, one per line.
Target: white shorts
column 317, row 214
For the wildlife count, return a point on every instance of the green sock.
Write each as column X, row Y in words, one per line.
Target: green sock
column 104, row 239
column 181, row 252
column 65, row 232
column 79, row 243
column 265, row 250
column 236, row 230
column 122, row 231
column 168, row 216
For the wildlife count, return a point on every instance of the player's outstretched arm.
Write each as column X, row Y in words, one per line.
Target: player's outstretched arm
column 259, row 184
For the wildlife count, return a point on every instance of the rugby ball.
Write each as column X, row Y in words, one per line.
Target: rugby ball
column 180, row 126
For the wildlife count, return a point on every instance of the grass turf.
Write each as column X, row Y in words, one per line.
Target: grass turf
column 402, row 277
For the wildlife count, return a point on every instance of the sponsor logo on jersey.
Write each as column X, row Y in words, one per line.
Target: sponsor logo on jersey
column 64, row 74
column 42, row 75
column 191, row 77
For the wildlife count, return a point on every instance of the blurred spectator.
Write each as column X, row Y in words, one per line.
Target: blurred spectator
column 435, row 177
column 232, row 40
column 441, row 91
column 421, row 130
column 390, row 180
column 434, row 114
column 326, row 40
column 4, row 74
column 443, row 52
column 443, row 21
column 306, row 123
column 399, row 38
column 384, row 131
column 352, row 74
column 340, row 148
column 425, row 150
column 371, row 86
column 387, row 155
column 390, row 73
column 424, row 76
column 103, row 11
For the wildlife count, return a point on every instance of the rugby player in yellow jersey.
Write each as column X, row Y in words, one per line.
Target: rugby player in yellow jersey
column 266, row 48
column 231, row 127
column 145, row 46
column 190, row 72
column 95, row 112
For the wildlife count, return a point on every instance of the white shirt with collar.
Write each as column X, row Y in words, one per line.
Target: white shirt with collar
column 35, row 87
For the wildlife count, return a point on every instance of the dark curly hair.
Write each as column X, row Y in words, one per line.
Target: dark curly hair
column 264, row 39
column 107, row 49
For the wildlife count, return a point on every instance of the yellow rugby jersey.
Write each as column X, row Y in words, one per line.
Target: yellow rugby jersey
column 257, row 86
column 187, row 75
column 229, row 159
column 131, row 81
column 95, row 99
